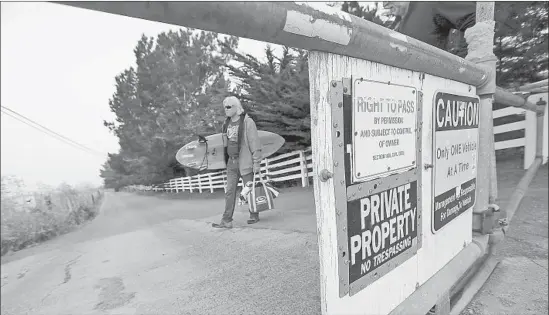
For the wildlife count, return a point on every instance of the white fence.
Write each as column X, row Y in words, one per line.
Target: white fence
column 527, row 125
column 298, row 165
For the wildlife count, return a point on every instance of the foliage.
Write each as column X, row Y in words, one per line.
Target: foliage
column 520, row 39
column 50, row 213
column 521, row 42
column 164, row 103
column 275, row 93
column 368, row 12
column 180, row 79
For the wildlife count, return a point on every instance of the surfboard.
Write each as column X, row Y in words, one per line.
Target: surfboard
column 194, row 154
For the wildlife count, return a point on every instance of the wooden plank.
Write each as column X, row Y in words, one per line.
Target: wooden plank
column 508, row 111
column 510, row 127
column 285, row 171
column 283, row 156
column 281, row 179
column 284, row 163
column 515, row 143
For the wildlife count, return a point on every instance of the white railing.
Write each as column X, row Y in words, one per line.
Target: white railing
column 297, row 165
column 528, row 124
column 514, row 126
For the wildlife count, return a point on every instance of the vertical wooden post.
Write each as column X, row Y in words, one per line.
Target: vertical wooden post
column 545, row 136
column 321, row 140
column 210, row 181
column 480, row 39
column 530, row 134
column 304, row 171
column 224, row 176
column 267, row 176
column 541, row 142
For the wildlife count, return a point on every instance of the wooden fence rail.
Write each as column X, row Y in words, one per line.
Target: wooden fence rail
column 297, row 165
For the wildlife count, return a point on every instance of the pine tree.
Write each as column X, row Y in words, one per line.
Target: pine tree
column 164, row 103
column 520, row 42
column 368, row 12
column 275, row 93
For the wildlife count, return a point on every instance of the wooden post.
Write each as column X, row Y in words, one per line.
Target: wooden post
column 321, row 140
column 211, row 184
column 480, row 39
column 541, row 142
column 545, row 139
column 536, row 130
column 530, row 134
column 304, row 171
column 267, row 176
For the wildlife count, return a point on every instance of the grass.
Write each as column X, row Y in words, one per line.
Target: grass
column 52, row 214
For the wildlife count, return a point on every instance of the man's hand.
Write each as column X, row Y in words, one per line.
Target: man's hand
column 257, row 168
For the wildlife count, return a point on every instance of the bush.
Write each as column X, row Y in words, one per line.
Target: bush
column 53, row 214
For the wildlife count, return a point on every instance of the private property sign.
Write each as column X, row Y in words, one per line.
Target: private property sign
column 379, row 187
column 455, row 148
column 384, row 129
column 381, row 227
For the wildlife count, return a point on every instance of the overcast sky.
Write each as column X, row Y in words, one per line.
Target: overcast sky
column 57, row 68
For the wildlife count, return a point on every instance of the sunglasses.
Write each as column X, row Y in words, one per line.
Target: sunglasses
column 228, row 107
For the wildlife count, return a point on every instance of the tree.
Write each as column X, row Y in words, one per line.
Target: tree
column 369, row 12
column 521, row 42
column 164, row 103
column 275, row 93
column 520, row 39
column 12, row 186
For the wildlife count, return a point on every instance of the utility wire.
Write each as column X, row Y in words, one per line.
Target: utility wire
column 49, row 131
column 53, row 135
column 77, row 146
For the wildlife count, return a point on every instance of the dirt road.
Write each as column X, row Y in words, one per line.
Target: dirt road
column 151, row 255
column 145, row 255
column 519, row 285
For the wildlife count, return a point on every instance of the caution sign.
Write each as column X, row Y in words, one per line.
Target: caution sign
column 455, row 151
column 381, row 226
column 384, row 129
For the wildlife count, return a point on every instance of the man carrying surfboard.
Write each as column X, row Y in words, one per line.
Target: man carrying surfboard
column 242, row 150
